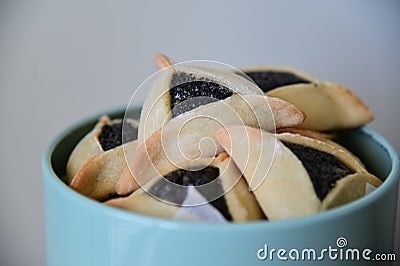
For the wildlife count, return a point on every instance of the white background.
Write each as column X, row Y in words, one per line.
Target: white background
column 61, row 61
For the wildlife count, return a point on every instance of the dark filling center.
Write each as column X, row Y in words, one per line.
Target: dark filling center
column 323, row 168
column 201, row 92
column 167, row 191
column 111, row 136
column 269, row 80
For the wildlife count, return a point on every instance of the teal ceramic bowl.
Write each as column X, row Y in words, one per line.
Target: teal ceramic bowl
column 80, row 231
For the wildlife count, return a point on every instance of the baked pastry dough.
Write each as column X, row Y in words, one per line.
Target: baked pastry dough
column 327, row 137
column 192, row 134
column 87, row 147
column 328, row 106
column 180, row 88
column 237, row 203
column 143, row 203
column 346, row 188
column 307, row 133
column 282, row 181
column 97, row 177
column 278, row 180
column 96, row 163
column 91, row 146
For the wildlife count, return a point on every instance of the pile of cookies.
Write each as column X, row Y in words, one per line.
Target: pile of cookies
column 217, row 145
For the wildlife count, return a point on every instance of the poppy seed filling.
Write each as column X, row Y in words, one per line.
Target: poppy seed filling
column 167, row 191
column 111, row 135
column 269, row 80
column 323, row 168
column 202, row 91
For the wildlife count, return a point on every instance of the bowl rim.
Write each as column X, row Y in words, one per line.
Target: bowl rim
column 50, row 176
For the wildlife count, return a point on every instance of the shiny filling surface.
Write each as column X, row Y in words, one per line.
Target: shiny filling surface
column 111, row 135
column 323, row 168
column 167, row 191
column 188, row 93
column 269, row 80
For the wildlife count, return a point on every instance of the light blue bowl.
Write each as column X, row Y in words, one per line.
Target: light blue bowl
column 81, row 231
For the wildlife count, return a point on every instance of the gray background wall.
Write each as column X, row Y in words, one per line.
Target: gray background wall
column 63, row 60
